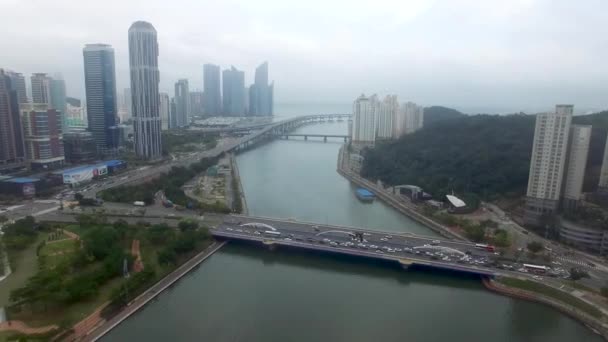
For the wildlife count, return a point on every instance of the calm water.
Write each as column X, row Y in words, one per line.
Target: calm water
column 245, row 293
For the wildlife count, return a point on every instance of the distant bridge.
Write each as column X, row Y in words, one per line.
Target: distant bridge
column 306, row 136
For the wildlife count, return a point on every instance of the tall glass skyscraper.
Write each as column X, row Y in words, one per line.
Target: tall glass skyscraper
column 261, row 97
column 233, row 95
column 143, row 63
column 12, row 152
column 100, row 86
column 182, row 103
column 211, row 89
column 58, row 101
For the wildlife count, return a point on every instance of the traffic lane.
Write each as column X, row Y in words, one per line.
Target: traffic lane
column 368, row 234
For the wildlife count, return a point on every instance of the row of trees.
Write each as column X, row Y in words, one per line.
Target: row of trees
column 187, row 141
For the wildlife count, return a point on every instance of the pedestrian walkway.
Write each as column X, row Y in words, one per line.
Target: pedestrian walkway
column 23, row 328
column 572, row 261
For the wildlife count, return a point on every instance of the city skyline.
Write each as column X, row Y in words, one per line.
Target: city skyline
column 330, row 64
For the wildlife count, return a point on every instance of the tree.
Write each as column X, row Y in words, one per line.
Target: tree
column 3, row 218
column 535, row 247
column 578, row 274
column 475, row 232
column 159, row 233
column 78, row 197
column 188, row 225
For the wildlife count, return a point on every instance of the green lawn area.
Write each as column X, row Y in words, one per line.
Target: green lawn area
column 581, row 287
column 56, row 252
column 74, row 228
column 26, row 265
column 553, row 293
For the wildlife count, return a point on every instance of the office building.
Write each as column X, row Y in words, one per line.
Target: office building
column 100, row 86
column 211, row 89
column 58, row 101
column 143, row 64
column 547, row 164
column 364, row 125
column 182, row 103
column 173, row 114
column 196, row 104
column 79, row 146
column 41, row 88
column 165, row 111
column 12, row 153
column 261, row 94
column 233, row 83
column 42, row 135
column 576, row 164
column 386, row 116
column 414, row 117
column 18, row 84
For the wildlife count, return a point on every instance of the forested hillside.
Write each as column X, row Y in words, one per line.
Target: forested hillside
column 485, row 154
column 437, row 113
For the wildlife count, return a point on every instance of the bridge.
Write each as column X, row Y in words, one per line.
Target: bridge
column 403, row 248
column 306, row 136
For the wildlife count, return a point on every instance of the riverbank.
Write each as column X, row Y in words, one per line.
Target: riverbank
column 152, row 292
column 392, row 200
column 236, row 179
column 597, row 324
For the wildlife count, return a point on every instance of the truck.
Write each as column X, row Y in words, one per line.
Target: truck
column 139, row 203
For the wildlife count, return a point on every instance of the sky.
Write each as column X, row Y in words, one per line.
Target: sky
column 474, row 55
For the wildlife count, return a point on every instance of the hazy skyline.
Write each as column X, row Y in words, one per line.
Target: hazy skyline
column 520, row 54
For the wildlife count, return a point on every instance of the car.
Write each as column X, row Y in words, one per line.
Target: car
column 333, row 244
column 257, row 232
column 384, row 239
column 379, row 251
column 229, row 229
column 316, row 228
column 367, row 234
column 287, row 239
column 361, row 245
column 435, row 242
column 390, row 250
column 417, row 252
column 326, row 240
column 239, row 230
column 399, row 250
column 388, row 237
column 373, row 246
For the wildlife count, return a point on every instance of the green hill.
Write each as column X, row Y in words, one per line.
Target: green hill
column 485, row 154
column 438, row 113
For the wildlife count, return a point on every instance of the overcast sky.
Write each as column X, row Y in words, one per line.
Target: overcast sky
column 511, row 54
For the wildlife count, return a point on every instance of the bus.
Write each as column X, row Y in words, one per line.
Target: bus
column 488, row 248
column 272, row 233
column 537, row 269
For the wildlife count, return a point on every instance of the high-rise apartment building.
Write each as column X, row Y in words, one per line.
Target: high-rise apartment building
column 603, row 184
column 42, row 135
column 547, row 164
column 576, row 164
column 100, row 86
column 261, row 94
column 386, row 116
column 211, row 88
column 196, row 103
column 173, row 114
column 12, row 151
column 182, row 103
column 364, row 125
column 233, row 92
column 41, row 88
column 143, row 64
column 58, row 101
column 165, row 111
column 414, row 117
column 18, row 84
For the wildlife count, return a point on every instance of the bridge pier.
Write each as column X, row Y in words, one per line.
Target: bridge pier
column 306, row 137
column 325, row 138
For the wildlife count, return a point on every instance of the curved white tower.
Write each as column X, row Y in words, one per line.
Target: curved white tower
column 143, row 63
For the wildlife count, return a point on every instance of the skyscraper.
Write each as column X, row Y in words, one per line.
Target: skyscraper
column 576, row 164
column 233, row 83
column 127, row 104
column 603, row 184
column 211, row 88
column 547, row 163
column 364, row 125
column 196, row 103
column 182, row 103
column 42, row 135
column 100, row 86
column 12, row 151
column 173, row 114
column 165, row 111
column 58, row 101
column 261, row 94
column 386, row 116
column 41, row 88
column 143, row 63
column 18, row 84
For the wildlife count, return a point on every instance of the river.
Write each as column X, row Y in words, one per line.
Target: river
column 246, row 293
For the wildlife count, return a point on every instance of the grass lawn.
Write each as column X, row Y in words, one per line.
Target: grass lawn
column 70, row 314
column 26, row 265
column 56, row 252
column 581, row 287
column 74, row 228
column 553, row 293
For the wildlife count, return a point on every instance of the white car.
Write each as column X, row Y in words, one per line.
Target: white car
column 384, row 239
column 229, row 229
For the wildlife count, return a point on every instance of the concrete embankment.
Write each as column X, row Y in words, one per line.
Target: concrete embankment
column 153, row 291
column 593, row 323
column 393, row 200
column 237, row 178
